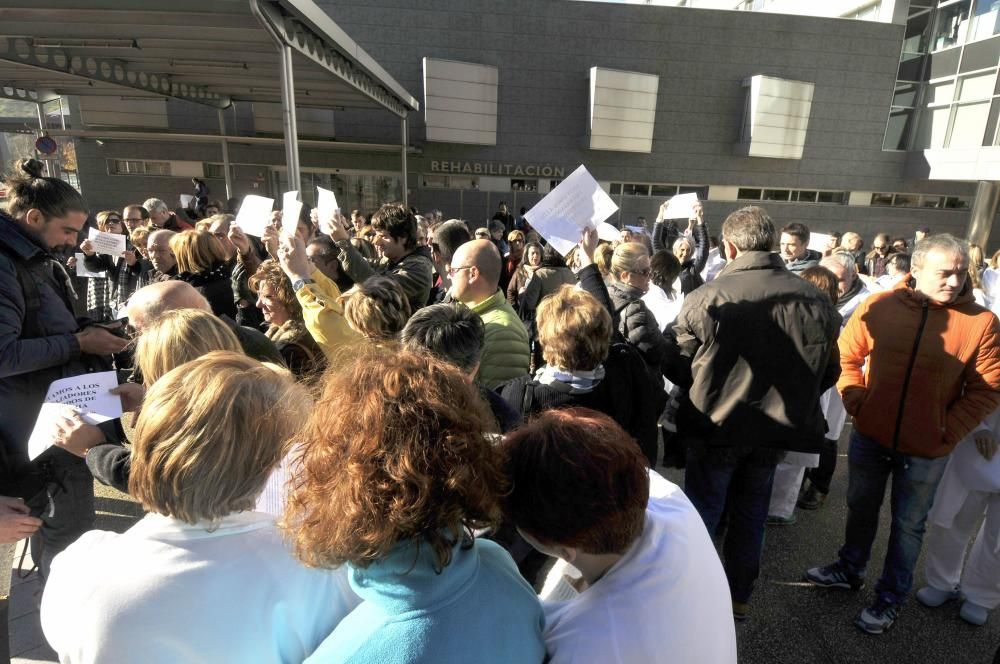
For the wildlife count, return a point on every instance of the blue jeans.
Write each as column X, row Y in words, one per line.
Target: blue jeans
column 914, row 482
column 741, row 488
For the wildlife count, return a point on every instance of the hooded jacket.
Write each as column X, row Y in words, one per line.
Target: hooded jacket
column 933, row 370
column 759, row 345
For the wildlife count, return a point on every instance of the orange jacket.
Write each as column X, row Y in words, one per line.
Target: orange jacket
column 933, row 370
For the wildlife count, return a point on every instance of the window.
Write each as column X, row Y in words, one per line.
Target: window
column 524, row 185
column 463, row 182
column 927, row 201
column 776, row 194
column 213, row 171
column 555, row 183
column 749, row 194
column 664, row 190
column 838, row 197
column 435, row 181
column 137, row 167
column 635, row 189
column 985, row 19
column 952, row 22
column 804, row 196
column 616, row 188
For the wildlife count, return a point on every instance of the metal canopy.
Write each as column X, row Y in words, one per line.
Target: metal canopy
column 211, row 52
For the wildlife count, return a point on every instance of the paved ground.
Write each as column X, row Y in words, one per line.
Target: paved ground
column 791, row 622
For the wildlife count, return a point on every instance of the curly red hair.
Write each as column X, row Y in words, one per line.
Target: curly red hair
column 394, row 451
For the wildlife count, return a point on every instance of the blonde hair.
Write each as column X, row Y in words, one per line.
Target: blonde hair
column 574, row 329
column 626, row 258
column 139, row 236
column 203, row 225
column 210, row 433
column 602, row 257
column 196, row 251
column 377, row 309
column 179, row 336
column 977, row 258
column 102, row 219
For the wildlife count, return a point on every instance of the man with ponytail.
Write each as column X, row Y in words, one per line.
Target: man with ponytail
column 41, row 341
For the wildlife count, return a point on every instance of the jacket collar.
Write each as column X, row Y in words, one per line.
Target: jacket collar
column 489, row 303
column 405, row 579
column 14, row 236
column 753, row 260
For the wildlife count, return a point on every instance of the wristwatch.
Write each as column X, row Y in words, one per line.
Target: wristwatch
column 299, row 284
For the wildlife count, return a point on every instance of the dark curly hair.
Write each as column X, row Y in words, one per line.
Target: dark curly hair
column 394, row 452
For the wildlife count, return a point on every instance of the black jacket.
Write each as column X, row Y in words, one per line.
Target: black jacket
column 758, row 346
column 216, row 285
column 624, row 395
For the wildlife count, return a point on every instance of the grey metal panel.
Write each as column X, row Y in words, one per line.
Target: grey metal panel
column 944, row 63
column 980, row 55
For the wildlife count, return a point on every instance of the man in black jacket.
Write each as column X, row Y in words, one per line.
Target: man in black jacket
column 759, row 348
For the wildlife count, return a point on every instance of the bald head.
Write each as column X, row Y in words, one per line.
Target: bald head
column 149, row 303
column 479, row 284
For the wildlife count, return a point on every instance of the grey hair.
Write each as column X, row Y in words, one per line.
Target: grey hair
column 945, row 243
column 750, row 229
column 844, row 260
column 152, row 204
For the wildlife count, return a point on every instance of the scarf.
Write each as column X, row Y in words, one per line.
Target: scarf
column 852, row 291
column 570, row 382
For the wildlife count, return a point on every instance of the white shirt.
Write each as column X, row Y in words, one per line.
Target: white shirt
column 165, row 591
column 713, row 265
column 664, row 309
column 666, row 600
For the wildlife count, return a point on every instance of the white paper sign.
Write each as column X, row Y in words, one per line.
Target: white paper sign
column 255, row 215
column 326, row 205
column 818, row 241
column 607, row 232
column 576, row 204
column 291, row 208
column 681, row 206
column 89, row 394
column 82, row 271
column 186, row 200
column 109, row 244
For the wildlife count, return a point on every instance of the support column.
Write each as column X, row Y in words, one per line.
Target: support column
column 289, row 120
column 41, row 132
column 225, row 155
column 404, row 130
column 984, row 211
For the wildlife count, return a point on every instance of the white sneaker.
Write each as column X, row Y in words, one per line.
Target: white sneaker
column 934, row 597
column 973, row 613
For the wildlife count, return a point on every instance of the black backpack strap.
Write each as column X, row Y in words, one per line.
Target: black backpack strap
column 32, row 298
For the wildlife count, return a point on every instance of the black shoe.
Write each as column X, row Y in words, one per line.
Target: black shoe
column 811, row 499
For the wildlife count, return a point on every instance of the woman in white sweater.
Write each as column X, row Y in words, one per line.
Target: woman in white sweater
column 202, row 578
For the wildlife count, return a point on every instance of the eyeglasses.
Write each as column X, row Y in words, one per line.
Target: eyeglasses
column 455, row 270
column 645, row 272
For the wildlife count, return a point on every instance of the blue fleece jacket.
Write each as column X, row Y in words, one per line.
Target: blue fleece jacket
column 478, row 609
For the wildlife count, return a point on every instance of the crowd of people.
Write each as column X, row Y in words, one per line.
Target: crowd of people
column 398, row 438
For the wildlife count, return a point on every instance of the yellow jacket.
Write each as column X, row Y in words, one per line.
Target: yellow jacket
column 324, row 315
